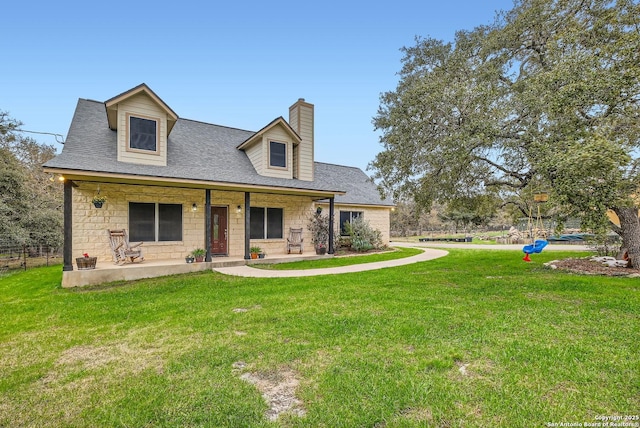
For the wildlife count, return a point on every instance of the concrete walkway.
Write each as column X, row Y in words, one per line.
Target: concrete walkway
column 428, row 253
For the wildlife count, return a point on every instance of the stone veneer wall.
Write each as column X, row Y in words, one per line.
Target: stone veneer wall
column 297, row 210
column 90, row 224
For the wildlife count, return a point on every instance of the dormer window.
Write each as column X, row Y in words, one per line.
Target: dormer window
column 143, row 123
column 272, row 150
column 143, row 134
column 277, row 154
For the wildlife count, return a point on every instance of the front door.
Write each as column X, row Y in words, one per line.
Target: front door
column 219, row 232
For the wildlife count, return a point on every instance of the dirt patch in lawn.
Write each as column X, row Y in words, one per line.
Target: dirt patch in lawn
column 278, row 389
column 589, row 267
column 243, row 310
column 417, row 414
column 472, row 370
column 84, row 363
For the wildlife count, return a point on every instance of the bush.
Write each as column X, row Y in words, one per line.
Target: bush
column 363, row 236
column 319, row 227
column 360, row 245
column 342, row 241
column 604, row 245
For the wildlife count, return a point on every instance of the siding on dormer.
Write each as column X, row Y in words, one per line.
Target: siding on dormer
column 256, row 156
column 141, row 105
column 258, row 153
column 281, row 136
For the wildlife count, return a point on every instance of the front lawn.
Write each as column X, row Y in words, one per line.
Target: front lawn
column 475, row 339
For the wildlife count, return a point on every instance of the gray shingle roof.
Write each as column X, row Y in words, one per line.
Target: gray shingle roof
column 359, row 188
column 197, row 151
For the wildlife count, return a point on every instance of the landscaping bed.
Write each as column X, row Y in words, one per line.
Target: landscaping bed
column 590, row 267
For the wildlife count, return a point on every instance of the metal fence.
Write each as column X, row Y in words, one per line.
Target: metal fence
column 14, row 257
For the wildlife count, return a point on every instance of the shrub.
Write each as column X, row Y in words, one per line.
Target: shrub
column 342, row 241
column 363, row 236
column 605, row 245
column 319, row 228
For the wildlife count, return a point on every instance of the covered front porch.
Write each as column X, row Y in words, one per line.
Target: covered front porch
column 218, row 219
column 108, row 272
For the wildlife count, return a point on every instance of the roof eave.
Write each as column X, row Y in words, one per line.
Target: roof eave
column 112, row 103
column 85, row 175
column 277, row 121
column 358, row 204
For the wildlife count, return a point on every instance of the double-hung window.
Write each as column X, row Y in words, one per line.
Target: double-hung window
column 154, row 222
column 143, row 134
column 266, row 223
column 347, row 217
column 277, row 154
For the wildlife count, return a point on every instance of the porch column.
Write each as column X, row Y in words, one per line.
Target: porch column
column 207, row 227
column 247, row 225
column 67, row 250
column 331, row 227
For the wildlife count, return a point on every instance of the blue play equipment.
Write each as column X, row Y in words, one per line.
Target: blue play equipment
column 538, row 244
column 536, row 247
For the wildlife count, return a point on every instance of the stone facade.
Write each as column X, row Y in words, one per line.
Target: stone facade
column 90, row 224
column 297, row 210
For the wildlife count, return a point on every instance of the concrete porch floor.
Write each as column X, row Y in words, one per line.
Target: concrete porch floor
column 109, row 272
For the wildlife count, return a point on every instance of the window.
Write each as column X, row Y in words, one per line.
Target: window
column 142, row 219
column 169, row 222
column 143, row 134
column 347, row 217
column 152, row 222
column 257, row 223
column 274, row 223
column 266, row 223
column 277, row 154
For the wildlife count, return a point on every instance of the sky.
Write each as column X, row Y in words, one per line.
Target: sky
column 237, row 64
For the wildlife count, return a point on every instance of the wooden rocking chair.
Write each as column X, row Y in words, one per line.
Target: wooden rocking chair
column 294, row 240
column 121, row 249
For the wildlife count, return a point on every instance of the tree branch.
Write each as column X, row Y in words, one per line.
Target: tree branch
column 518, row 206
column 510, row 184
column 520, row 177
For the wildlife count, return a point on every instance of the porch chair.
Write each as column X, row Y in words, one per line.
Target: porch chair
column 294, row 240
column 121, row 249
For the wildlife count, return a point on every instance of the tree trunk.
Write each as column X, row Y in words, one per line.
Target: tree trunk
column 630, row 233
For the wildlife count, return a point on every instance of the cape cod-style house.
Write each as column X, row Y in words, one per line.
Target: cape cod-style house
column 179, row 184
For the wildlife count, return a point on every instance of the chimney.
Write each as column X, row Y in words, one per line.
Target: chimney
column 301, row 120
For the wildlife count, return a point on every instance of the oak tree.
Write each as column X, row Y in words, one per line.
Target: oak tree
column 547, row 96
column 30, row 201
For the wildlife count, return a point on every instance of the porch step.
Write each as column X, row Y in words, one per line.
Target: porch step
column 285, row 259
column 221, row 262
column 108, row 272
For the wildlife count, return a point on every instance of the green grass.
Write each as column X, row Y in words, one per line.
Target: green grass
column 396, row 253
column 475, row 339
